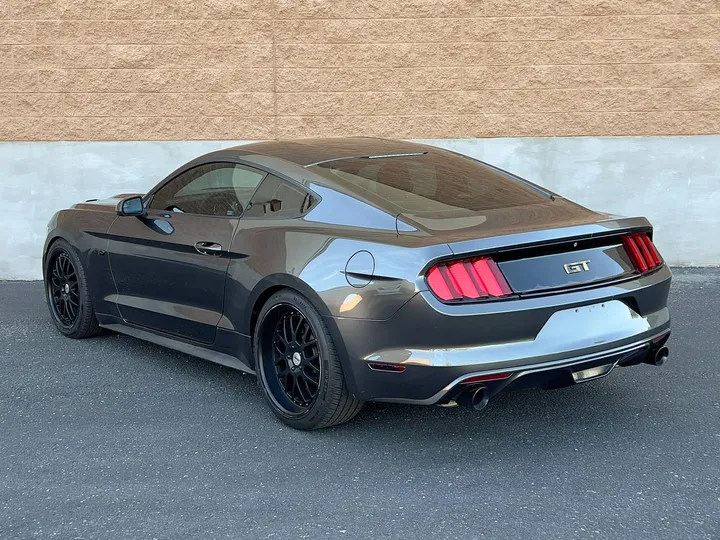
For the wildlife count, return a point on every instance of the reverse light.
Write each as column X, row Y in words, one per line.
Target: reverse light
column 470, row 279
column 642, row 252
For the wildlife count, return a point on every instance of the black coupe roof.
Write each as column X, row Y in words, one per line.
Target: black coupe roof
column 309, row 151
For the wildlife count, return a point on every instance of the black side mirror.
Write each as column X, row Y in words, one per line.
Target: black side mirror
column 132, row 206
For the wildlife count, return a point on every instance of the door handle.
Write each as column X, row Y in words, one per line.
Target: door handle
column 208, row 248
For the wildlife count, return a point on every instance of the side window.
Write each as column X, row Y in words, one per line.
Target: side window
column 213, row 189
column 276, row 198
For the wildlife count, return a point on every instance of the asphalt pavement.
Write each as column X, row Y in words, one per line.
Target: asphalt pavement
column 115, row 438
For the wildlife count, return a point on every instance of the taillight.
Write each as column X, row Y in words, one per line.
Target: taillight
column 642, row 252
column 470, row 279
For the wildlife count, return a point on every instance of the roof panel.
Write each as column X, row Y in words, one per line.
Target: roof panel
column 307, row 151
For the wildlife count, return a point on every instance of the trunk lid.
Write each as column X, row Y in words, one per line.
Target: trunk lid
column 571, row 268
column 549, row 246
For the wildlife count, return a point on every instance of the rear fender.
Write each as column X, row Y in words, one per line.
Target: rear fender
column 266, row 287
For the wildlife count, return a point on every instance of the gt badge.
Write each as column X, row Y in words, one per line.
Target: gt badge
column 575, row 267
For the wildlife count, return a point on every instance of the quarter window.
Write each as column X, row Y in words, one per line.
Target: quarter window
column 213, row 189
column 276, row 198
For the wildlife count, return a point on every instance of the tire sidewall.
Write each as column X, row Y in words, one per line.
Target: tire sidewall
column 307, row 419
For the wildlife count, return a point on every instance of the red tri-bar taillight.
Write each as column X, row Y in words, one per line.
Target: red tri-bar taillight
column 470, row 279
column 642, row 252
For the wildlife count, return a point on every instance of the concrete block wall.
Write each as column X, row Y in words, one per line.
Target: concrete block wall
column 258, row 69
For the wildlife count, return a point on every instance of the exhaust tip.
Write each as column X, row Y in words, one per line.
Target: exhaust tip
column 480, row 398
column 661, row 356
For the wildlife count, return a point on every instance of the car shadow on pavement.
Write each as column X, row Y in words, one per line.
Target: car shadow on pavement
column 536, row 418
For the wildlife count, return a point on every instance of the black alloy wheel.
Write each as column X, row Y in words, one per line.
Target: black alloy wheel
column 63, row 290
column 297, row 365
column 296, row 358
column 67, row 292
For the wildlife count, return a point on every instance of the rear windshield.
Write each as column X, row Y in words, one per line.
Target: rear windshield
column 432, row 181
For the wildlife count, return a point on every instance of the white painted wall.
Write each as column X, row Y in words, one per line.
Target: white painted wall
column 38, row 179
column 674, row 181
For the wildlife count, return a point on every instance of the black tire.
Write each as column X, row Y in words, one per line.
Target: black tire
column 74, row 317
column 325, row 402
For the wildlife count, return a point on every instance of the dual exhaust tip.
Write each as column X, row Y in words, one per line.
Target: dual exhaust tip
column 659, row 358
column 480, row 398
column 475, row 398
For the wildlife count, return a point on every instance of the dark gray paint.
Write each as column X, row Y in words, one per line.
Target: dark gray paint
column 162, row 281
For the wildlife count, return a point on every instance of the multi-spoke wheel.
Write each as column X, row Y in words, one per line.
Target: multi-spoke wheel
column 296, row 357
column 67, row 292
column 63, row 290
column 298, row 367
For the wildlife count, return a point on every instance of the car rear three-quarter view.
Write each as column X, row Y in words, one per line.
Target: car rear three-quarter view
column 341, row 271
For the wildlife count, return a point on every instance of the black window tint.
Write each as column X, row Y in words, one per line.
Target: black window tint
column 276, row 198
column 433, row 181
column 214, row 189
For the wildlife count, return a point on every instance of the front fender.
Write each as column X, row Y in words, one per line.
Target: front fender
column 85, row 231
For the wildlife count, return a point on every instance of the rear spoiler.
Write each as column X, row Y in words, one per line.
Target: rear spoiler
column 609, row 227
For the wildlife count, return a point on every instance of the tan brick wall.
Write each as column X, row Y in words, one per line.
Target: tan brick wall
column 252, row 69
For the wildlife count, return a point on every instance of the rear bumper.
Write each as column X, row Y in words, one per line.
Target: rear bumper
column 555, row 374
column 440, row 345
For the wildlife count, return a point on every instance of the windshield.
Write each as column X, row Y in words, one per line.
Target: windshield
column 431, row 182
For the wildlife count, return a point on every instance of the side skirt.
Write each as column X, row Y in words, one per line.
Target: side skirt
column 172, row 343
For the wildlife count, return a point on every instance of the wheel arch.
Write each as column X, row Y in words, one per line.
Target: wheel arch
column 268, row 286
column 52, row 237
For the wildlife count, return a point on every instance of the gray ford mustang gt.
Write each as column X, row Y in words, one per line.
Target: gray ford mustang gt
column 341, row 271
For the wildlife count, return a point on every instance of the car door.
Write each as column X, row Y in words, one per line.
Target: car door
column 169, row 265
